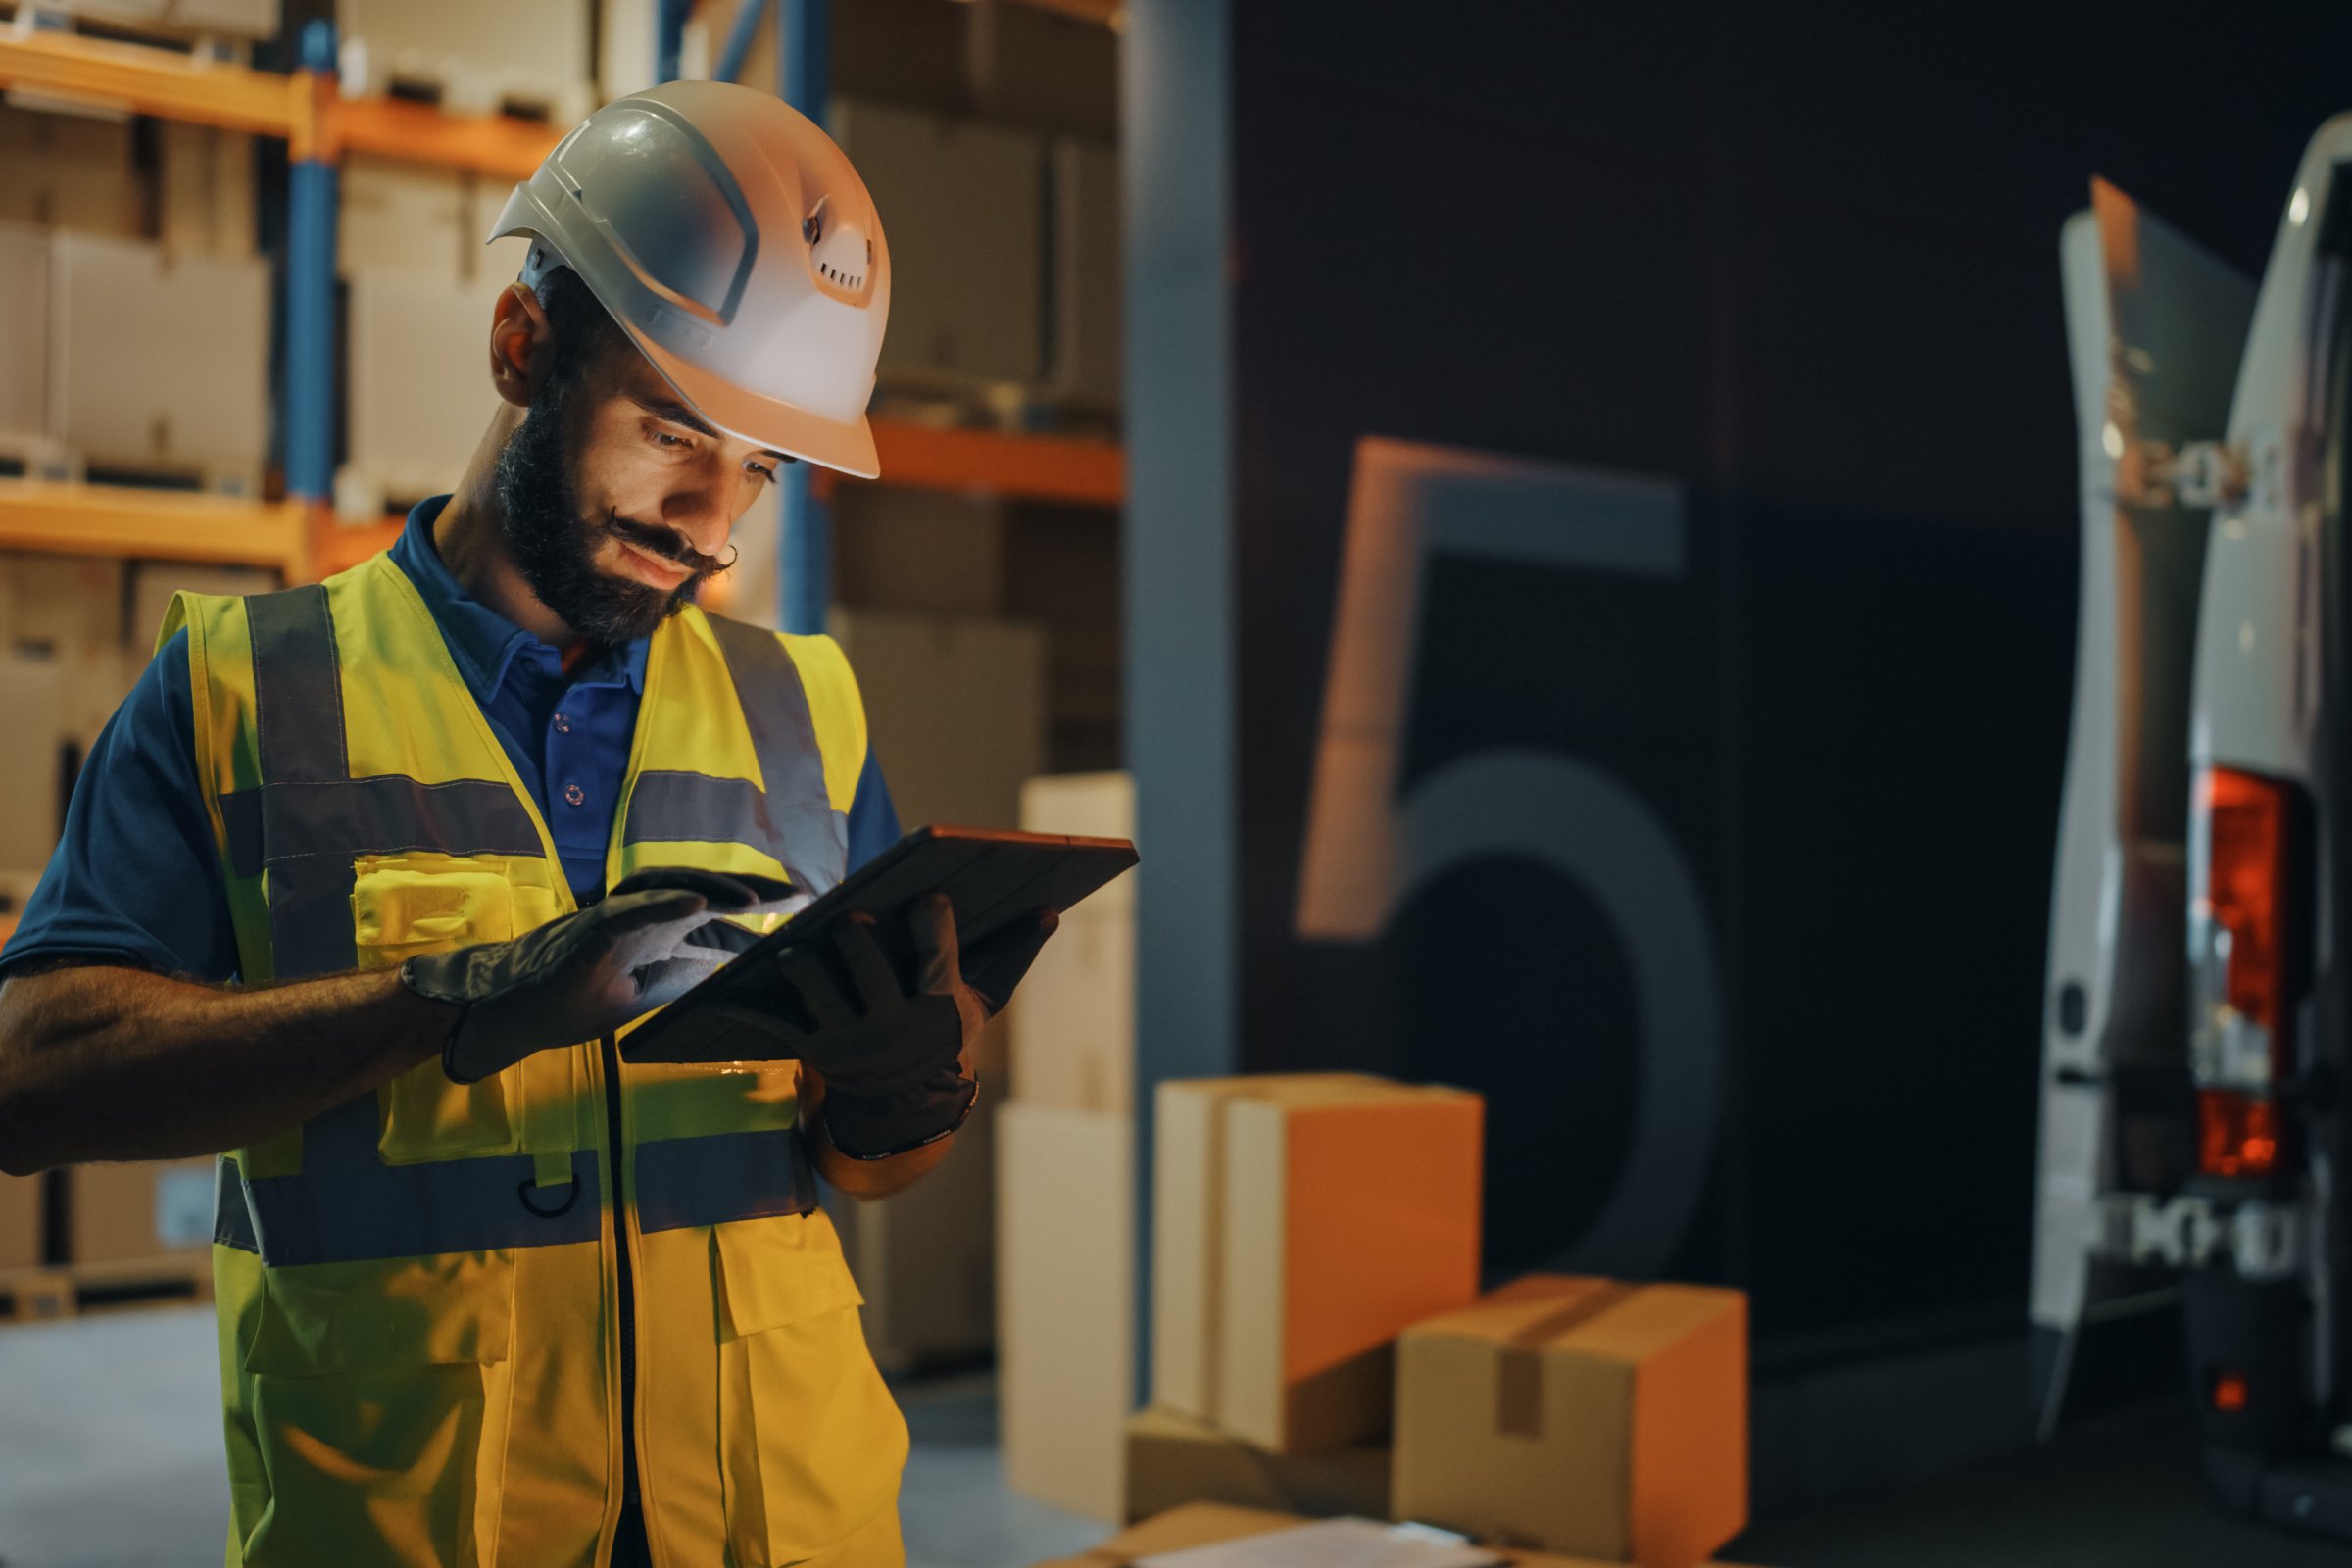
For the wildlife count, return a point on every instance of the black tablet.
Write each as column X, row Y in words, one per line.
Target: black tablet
column 993, row 876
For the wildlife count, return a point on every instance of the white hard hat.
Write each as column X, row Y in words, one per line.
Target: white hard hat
column 731, row 240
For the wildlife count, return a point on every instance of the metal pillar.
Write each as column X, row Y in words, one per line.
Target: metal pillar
column 1177, row 564
column 739, row 40
column 313, row 189
column 804, row 575
column 669, row 36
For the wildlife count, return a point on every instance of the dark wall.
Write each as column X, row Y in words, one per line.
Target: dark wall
column 1802, row 260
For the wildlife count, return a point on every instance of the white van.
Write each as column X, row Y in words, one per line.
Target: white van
column 2196, row 1021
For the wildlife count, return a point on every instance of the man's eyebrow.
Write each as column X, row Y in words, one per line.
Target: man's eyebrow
column 677, row 413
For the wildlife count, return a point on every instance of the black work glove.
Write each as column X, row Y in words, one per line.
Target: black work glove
column 888, row 1037
column 585, row 975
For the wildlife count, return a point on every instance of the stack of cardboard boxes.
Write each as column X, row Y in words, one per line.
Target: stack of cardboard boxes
column 1065, row 1180
column 75, row 632
column 420, row 286
column 1301, row 1223
column 954, row 708
column 89, row 290
column 1319, row 1344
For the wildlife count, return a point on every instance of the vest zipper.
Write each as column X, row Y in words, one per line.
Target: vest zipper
column 627, row 1296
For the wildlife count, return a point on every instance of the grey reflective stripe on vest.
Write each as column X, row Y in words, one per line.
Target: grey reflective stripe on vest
column 790, row 813
column 348, row 1205
column 309, row 818
column 722, row 1176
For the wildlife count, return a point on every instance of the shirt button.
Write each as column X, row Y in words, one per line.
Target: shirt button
column 562, row 725
column 575, row 794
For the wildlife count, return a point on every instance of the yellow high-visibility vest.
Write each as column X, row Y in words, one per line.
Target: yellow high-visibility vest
column 422, row 1335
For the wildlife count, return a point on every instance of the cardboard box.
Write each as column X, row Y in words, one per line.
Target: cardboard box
column 1300, row 1222
column 32, row 796
column 419, row 396
column 1074, row 1018
column 1031, row 67
column 1098, row 805
column 1066, row 1302
column 908, row 52
column 405, row 218
column 204, row 406
column 58, row 604
column 22, row 1204
column 954, row 705
column 1088, row 293
column 1205, row 1524
column 205, row 189
column 925, row 1258
column 962, row 207
column 1173, row 1459
column 24, row 333
column 68, row 170
column 119, row 1213
column 938, row 552
column 1580, row 1415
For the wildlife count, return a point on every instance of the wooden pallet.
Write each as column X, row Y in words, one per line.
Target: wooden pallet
column 83, row 1290
column 209, row 30
column 458, row 87
column 36, row 457
column 237, row 479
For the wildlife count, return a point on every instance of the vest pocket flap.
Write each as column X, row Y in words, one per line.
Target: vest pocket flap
column 317, row 1318
column 779, row 1270
column 398, row 906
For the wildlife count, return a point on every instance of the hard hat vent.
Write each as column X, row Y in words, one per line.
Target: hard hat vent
column 844, row 257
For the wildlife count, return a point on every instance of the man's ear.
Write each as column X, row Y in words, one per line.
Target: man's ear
column 521, row 345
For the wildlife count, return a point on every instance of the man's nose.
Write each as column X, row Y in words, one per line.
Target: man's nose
column 699, row 512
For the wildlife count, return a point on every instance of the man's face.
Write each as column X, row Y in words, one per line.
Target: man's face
column 619, row 498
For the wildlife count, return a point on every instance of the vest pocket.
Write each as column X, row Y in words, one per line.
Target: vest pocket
column 403, row 906
column 811, row 1442
column 379, row 1398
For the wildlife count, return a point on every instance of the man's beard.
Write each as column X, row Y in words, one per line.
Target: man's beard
column 555, row 547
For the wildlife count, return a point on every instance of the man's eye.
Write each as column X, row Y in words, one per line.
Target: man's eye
column 665, row 438
column 762, row 470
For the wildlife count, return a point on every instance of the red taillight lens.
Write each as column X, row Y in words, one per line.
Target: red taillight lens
column 2237, row 1134
column 2229, row 1390
column 2246, row 891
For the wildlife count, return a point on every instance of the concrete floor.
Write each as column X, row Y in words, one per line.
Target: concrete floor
column 110, row 1457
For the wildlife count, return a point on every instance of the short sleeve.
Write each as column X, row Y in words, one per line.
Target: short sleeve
column 136, row 879
column 874, row 819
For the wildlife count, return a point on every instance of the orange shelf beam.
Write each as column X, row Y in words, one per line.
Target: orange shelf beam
column 139, row 79
column 95, row 519
column 394, row 127
column 1034, row 467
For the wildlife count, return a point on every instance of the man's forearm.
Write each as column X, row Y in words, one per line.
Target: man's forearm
column 113, row 1063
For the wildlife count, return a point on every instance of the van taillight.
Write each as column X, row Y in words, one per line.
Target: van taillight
column 2237, row 1134
column 2241, row 1044
column 2247, row 824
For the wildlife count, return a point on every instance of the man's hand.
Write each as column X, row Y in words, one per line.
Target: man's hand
column 645, row 943
column 890, row 1046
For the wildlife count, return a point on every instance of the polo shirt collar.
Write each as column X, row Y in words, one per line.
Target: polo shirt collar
column 484, row 643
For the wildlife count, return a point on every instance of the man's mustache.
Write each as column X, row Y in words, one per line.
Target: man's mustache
column 667, row 542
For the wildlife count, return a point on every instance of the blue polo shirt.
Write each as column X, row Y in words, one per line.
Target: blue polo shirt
column 136, row 878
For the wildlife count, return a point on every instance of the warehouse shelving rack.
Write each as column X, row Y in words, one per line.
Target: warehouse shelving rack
column 300, row 536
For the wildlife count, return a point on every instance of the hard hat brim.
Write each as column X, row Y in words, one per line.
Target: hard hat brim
column 846, row 447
